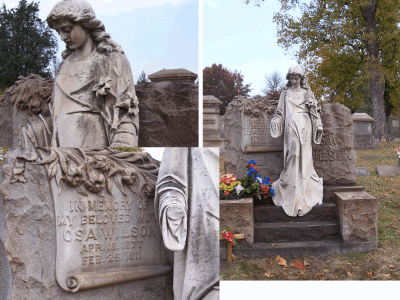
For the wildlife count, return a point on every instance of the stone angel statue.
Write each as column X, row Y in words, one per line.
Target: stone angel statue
column 297, row 116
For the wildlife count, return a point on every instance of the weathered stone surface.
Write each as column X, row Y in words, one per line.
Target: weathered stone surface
column 362, row 171
column 387, row 170
column 268, row 163
column 358, row 215
column 6, row 124
column 168, row 114
column 31, row 248
column 238, row 214
column 329, row 191
column 335, row 158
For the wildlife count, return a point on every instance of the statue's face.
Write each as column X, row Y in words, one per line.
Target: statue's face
column 74, row 35
column 295, row 80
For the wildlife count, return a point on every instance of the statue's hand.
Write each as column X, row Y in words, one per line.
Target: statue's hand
column 175, row 213
column 319, row 133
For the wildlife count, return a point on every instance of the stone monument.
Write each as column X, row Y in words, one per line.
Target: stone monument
column 211, row 122
column 363, row 137
column 80, row 224
column 187, row 207
column 173, row 75
column 94, row 94
column 298, row 188
column 247, row 136
column 394, row 125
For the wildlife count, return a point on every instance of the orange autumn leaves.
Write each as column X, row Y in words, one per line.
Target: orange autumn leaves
column 282, row 262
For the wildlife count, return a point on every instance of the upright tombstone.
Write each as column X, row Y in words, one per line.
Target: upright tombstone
column 211, row 122
column 363, row 137
column 394, row 125
column 80, row 224
column 335, row 158
column 247, row 136
column 173, row 75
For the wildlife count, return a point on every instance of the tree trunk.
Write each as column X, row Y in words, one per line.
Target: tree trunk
column 376, row 77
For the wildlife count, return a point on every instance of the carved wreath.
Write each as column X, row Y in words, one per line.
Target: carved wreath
column 253, row 106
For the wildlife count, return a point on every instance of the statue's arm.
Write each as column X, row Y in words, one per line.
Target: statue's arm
column 278, row 121
column 171, row 201
column 315, row 114
column 123, row 104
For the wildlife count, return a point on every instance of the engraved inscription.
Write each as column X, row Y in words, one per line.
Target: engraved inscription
column 208, row 121
column 256, row 134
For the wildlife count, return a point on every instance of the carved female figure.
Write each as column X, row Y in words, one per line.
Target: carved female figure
column 298, row 188
column 94, row 103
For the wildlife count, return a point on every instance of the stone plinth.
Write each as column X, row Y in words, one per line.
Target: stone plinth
column 168, row 114
column 211, row 124
column 335, row 158
column 363, row 137
column 358, row 215
column 173, row 75
column 394, row 125
column 247, row 136
column 238, row 214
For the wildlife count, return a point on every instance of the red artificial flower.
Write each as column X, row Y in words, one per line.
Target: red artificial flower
column 264, row 188
column 226, row 193
column 232, row 243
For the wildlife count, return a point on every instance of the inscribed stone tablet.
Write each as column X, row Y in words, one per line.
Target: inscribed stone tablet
column 256, row 134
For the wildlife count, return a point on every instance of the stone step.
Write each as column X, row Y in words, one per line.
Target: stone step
column 274, row 214
column 300, row 249
column 296, row 231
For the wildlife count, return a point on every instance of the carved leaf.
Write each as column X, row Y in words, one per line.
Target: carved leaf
column 50, row 158
column 81, row 190
column 118, row 182
column 63, row 162
column 52, row 169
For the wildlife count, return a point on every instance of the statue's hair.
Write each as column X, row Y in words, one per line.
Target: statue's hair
column 81, row 12
column 303, row 81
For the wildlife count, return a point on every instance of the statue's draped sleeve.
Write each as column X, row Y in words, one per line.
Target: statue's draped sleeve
column 171, row 201
column 278, row 121
column 315, row 114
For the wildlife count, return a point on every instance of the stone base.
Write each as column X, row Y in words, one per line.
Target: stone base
column 238, row 214
column 300, row 249
column 330, row 190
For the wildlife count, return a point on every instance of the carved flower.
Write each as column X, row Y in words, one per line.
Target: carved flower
column 35, row 106
column 257, row 113
column 103, row 86
column 102, row 163
column 74, row 176
column 95, row 183
column 130, row 176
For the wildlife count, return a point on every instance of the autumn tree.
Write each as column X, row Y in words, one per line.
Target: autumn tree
column 27, row 44
column 274, row 83
column 224, row 84
column 350, row 50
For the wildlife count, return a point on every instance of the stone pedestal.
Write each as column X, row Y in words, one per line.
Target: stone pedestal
column 363, row 137
column 358, row 216
column 238, row 214
column 211, row 123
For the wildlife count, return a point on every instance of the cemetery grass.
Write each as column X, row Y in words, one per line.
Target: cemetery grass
column 382, row 263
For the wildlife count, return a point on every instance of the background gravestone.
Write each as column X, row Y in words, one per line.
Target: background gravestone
column 247, row 136
column 363, row 137
column 29, row 241
column 211, row 122
column 335, row 158
column 394, row 125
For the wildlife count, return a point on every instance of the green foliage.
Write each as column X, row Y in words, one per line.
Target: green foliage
column 129, row 149
column 27, row 44
column 334, row 40
column 3, row 151
column 224, row 84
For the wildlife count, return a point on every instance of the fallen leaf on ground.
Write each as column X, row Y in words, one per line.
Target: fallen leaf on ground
column 386, row 276
column 284, row 273
column 326, row 271
column 349, row 264
column 268, row 274
column 270, row 261
column 348, row 273
column 274, row 245
column 370, row 274
column 281, row 261
column 391, row 266
column 319, row 274
column 298, row 265
column 305, row 262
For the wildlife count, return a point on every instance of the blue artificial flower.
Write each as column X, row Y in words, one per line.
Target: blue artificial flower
column 267, row 180
column 272, row 191
column 258, row 176
column 251, row 161
column 248, row 173
column 252, row 170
